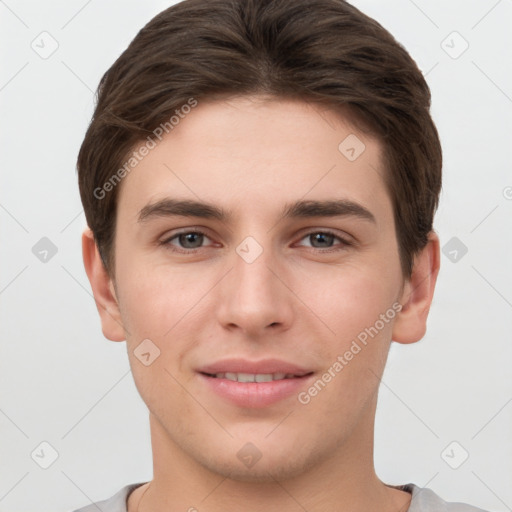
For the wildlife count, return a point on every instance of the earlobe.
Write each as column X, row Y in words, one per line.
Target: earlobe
column 102, row 288
column 411, row 323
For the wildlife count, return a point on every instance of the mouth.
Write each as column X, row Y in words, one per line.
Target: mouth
column 266, row 369
column 248, row 384
column 255, row 377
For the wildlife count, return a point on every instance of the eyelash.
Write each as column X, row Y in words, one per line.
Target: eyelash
column 173, row 248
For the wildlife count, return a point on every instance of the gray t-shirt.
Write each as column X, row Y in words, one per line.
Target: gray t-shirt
column 423, row 500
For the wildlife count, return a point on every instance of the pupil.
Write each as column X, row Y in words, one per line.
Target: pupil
column 321, row 237
column 193, row 238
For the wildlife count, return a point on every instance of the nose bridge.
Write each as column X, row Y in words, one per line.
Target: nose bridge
column 253, row 298
column 252, row 267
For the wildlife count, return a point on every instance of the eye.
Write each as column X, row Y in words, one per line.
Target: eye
column 186, row 241
column 325, row 239
column 189, row 242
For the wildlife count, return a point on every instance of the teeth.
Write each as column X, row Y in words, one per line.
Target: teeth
column 254, row 377
column 245, row 377
column 265, row 377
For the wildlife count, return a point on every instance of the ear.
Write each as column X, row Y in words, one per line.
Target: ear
column 102, row 289
column 411, row 322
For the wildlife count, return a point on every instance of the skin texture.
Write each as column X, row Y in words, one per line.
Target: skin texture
column 299, row 300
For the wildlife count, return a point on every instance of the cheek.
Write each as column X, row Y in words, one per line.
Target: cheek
column 348, row 299
column 360, row 314
column 154, row 302
column 158, row 311
column 165, row 306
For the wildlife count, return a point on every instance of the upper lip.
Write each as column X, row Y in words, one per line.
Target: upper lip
column 235, row 365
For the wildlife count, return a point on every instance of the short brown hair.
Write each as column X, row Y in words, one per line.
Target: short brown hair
column 324, row 51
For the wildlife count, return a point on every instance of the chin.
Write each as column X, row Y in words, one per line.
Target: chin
column 261, row 472
column 274, row 463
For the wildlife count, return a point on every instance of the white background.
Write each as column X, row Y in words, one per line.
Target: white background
column 62, row 382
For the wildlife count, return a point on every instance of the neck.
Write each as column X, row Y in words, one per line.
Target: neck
column 346, row 481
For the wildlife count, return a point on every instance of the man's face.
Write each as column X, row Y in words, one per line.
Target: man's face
column 258, row 285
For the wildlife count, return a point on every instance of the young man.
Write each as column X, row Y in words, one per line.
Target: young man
column 259, row 180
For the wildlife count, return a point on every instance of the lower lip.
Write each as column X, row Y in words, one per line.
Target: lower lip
column 256, row 394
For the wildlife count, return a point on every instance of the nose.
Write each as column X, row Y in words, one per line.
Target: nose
column 255, row 297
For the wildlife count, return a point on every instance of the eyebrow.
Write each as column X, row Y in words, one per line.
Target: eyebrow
column 300, row 209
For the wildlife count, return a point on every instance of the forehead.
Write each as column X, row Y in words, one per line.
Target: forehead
column 256, row 153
